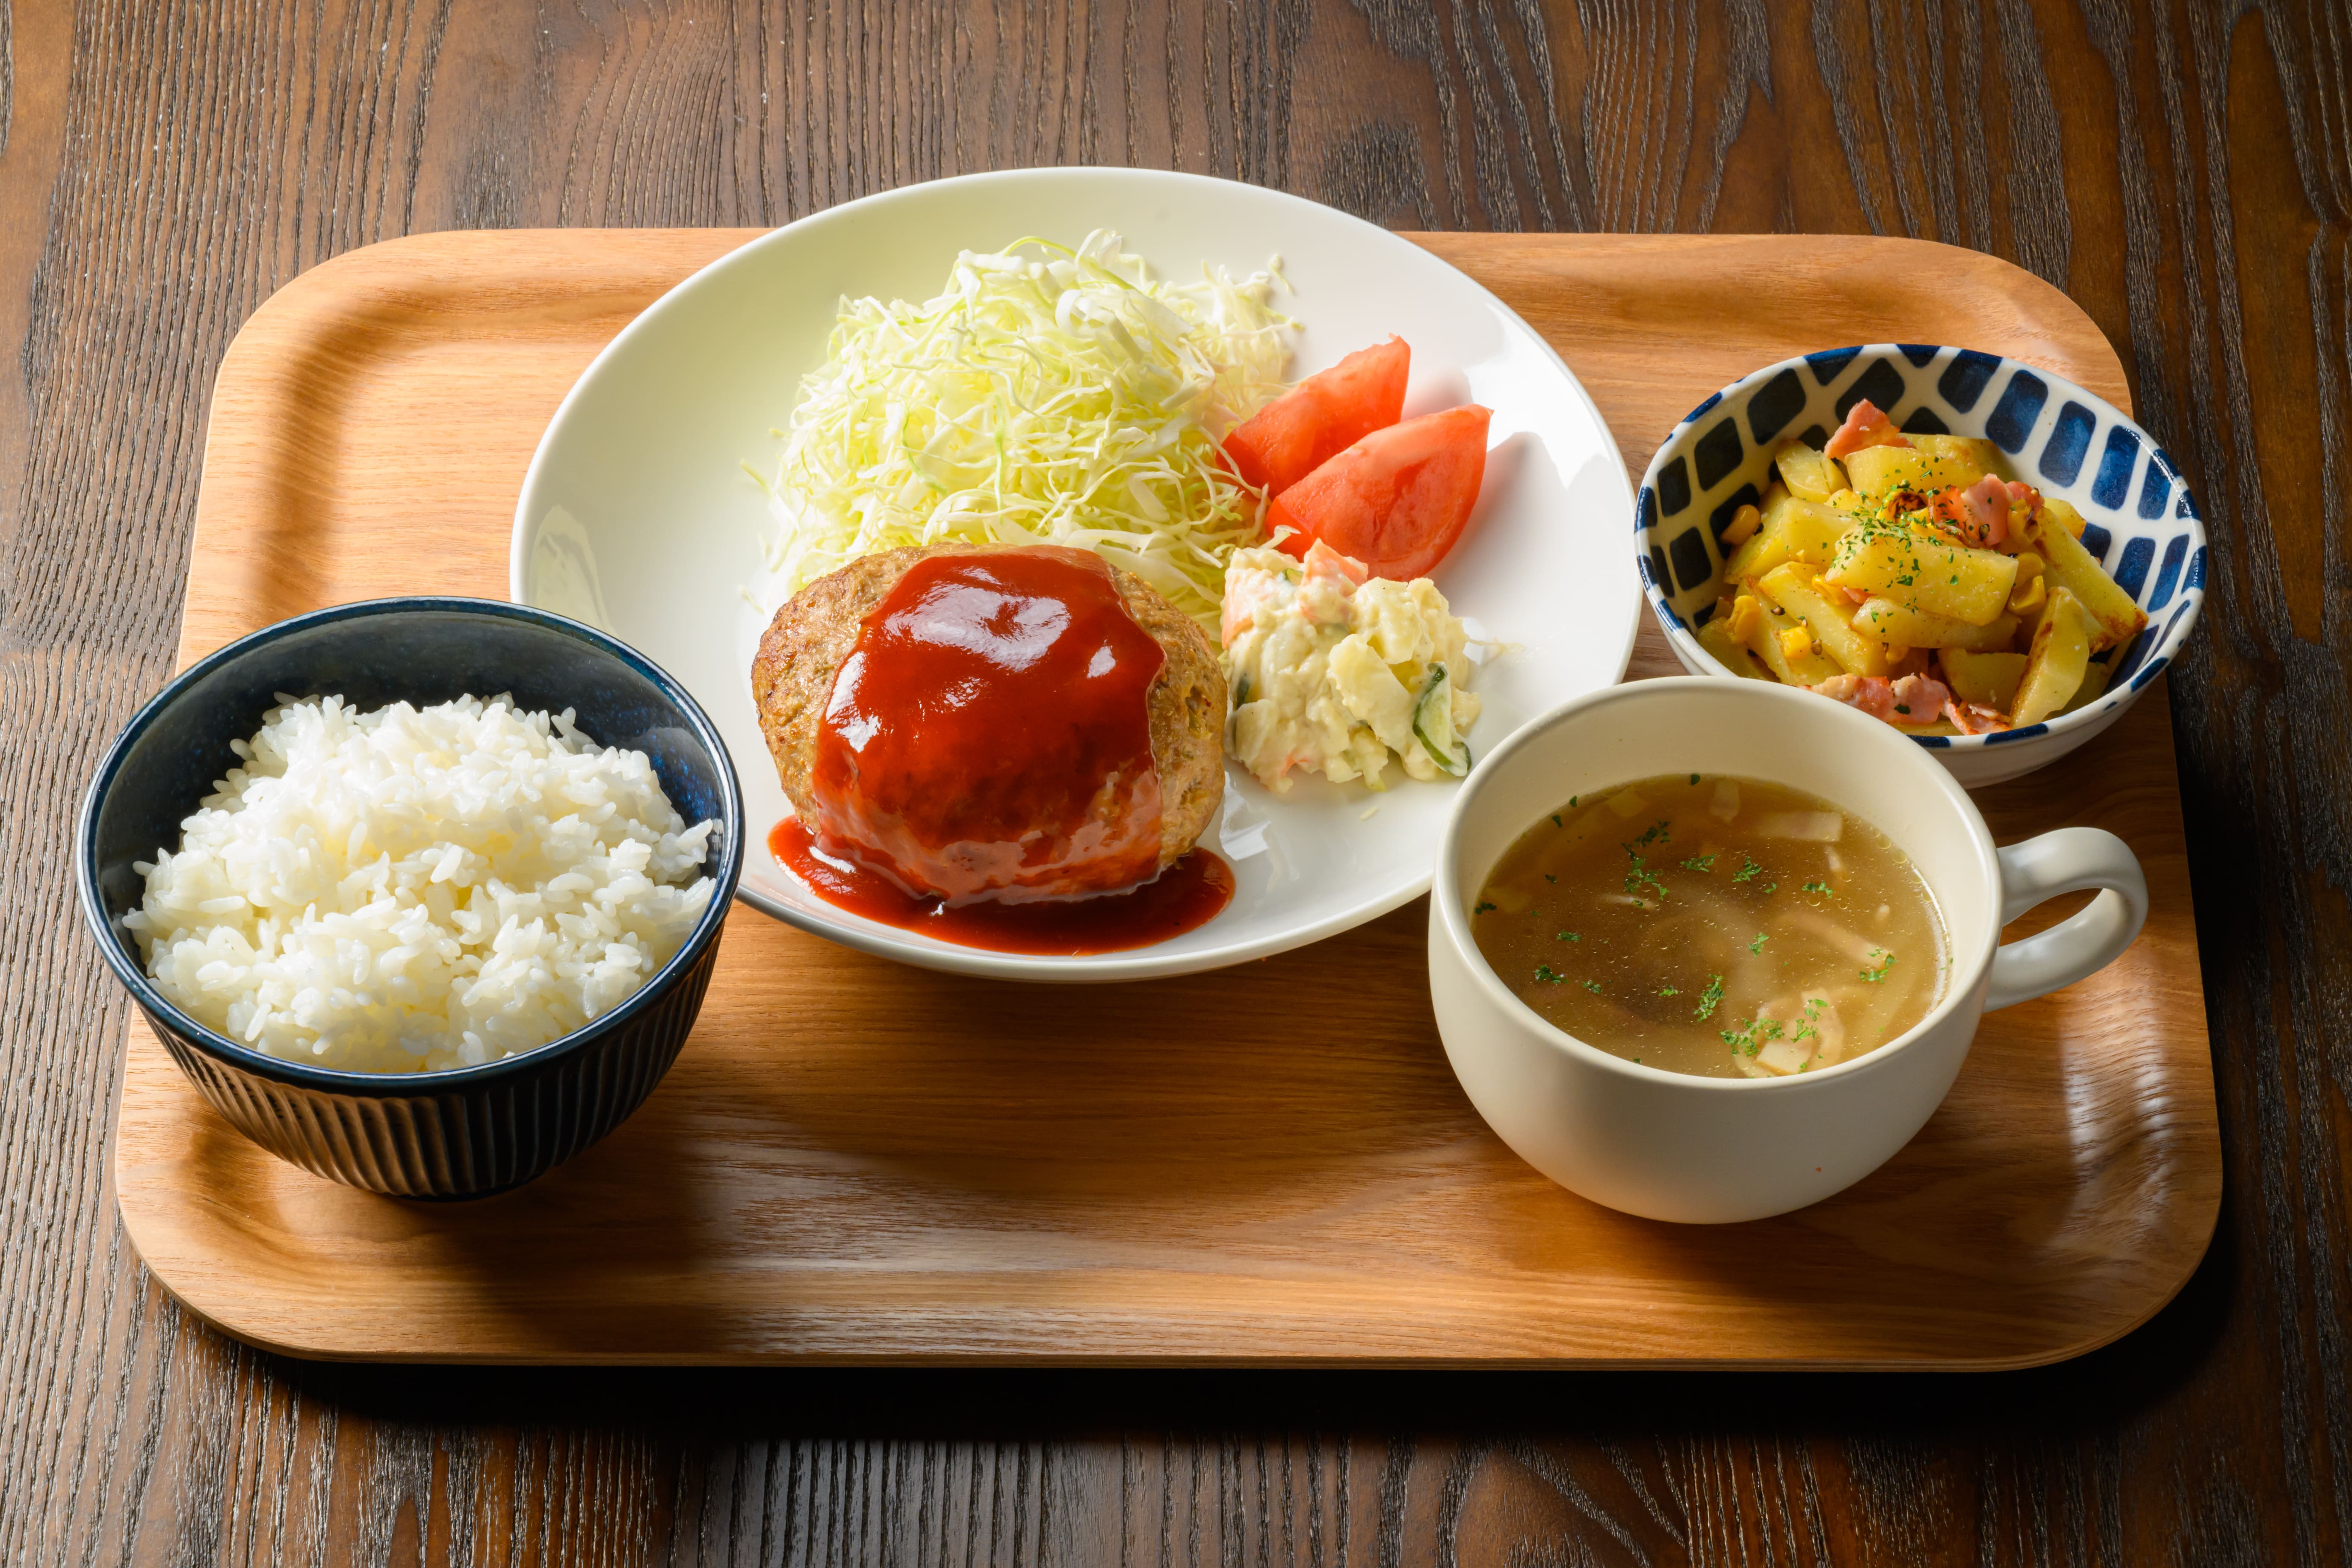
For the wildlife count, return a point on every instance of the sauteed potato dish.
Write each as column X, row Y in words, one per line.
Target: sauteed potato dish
column 1912, row 577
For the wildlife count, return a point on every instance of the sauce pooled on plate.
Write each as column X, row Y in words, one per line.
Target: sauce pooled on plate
column 1714, row 926
column 1189, row 893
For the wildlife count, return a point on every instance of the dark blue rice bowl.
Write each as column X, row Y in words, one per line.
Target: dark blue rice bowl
column 465, row 1132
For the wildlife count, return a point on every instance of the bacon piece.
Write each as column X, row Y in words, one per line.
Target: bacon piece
column 1864, row 427
column 1979, row 514
column 1919, row 699
column 1988, row 504
column 1975, row 718
column 1874, row 695
column 1914, row 700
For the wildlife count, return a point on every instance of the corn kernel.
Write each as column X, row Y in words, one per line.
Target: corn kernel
column 1744, row 524
column 1796, row 642
column 1745, row 611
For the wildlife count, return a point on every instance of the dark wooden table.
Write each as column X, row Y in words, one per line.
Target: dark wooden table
column 2183, row 171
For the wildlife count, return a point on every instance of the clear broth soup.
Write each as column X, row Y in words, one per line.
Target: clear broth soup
column 1716, row 926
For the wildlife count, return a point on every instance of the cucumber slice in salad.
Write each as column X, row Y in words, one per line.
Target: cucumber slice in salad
column 1433, row 724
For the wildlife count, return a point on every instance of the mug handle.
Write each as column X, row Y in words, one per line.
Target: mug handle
column 2065, row 861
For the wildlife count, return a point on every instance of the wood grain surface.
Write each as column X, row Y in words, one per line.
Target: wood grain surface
column 1272, row 1165
column 2179, row 170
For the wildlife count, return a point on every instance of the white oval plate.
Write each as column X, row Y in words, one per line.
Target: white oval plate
column 636, row 515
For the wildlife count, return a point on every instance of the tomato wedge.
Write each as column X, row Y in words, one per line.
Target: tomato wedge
column 1296, row 434
column 1397, row 500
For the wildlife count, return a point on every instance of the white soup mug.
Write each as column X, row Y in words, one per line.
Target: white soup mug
column 1675, row 1146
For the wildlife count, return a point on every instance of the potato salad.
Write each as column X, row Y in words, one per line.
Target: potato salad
column 1332, row 670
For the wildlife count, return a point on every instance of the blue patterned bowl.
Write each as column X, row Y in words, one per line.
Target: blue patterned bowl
column 467, row 1131
column 2061, row 439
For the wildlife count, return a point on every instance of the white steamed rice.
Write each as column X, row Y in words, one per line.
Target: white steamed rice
column 412, row 889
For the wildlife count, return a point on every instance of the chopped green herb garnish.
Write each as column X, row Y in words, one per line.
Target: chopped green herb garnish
column 1760, row 1032
column 1877, row 976
column 1709, row 998
column 1550, row 877
column 1747, row 869
column 1699, row 863
column 1758, row 945
column 1593, row 986
column 1571, row 803
column 1654, row 833
column 1694, row 778
column 1556, row 822
column 1818, row 885
column 1568, row 936
column 1548, row 975
column 1804, row 1032
column 1484, row 905
column 1813, row 1005
column 1668, row 990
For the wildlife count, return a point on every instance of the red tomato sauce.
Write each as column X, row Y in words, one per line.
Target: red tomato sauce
column 1189, row 894
column 988, row 735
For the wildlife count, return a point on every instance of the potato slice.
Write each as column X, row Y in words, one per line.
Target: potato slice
column 1796, row 588
column 2062, row 650
column 1906, row 627
column 1925, row 571
column 1986, row 679
column 2067, row 564
column 1728, row 650
column 1794, row 530
column 2095, row 681
column 2065, row 515
column 1975, row 455
column 1878, row 472
column 1765, row 641
column 1809, row 475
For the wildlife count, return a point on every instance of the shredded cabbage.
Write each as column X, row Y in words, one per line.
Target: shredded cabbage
column 1047, row 396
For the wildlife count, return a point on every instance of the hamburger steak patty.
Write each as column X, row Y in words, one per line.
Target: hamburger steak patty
column 792, row 680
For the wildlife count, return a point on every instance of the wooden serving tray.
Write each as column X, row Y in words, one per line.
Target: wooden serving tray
column 854, row 1161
